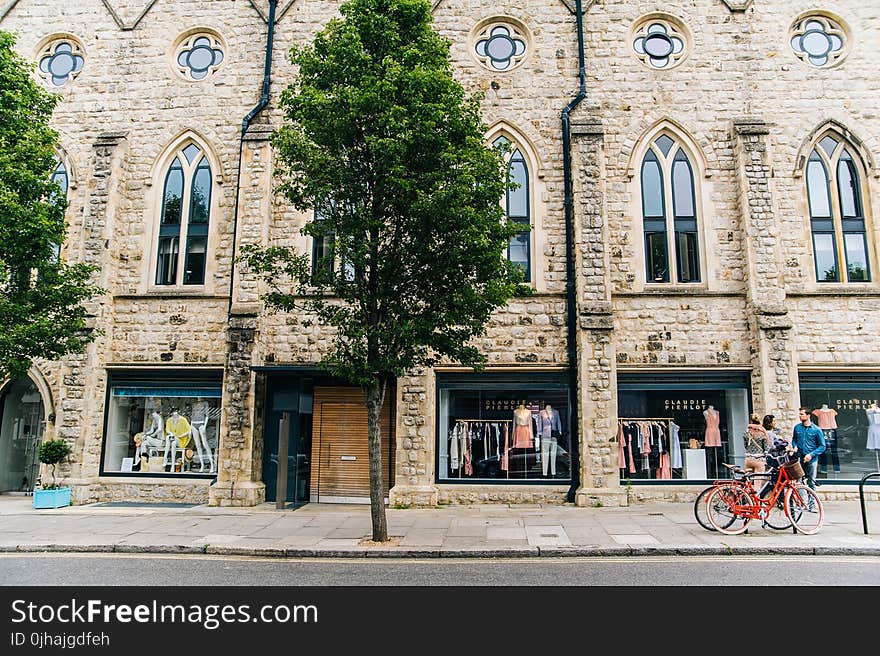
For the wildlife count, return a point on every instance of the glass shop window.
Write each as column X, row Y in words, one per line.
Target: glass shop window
column 504, row 433
column 162, row 430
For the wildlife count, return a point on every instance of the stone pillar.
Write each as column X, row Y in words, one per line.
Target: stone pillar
column 239, row 456
column 774, row 371
column 238, row 473
column 597, row 393
column 83, row 379
column 414, row 449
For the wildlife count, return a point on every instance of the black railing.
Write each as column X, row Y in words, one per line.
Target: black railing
column 862, row 498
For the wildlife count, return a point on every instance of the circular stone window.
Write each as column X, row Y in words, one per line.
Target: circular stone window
column 499, row 44
column 199, row 55
column 819, row 40
column 61, row 61
column 659, row 42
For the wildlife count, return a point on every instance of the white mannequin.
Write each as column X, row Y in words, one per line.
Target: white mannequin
column 199, row 426
column 152, row 437
column 873, row 413
column 548, row 421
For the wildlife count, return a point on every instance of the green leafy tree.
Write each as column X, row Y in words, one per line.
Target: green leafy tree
column 41, row 312
column 389, row 151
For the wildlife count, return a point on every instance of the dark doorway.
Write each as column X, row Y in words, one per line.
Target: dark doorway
column 294, row 396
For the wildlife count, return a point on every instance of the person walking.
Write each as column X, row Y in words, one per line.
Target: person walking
column 809, row 440
column 757, row 444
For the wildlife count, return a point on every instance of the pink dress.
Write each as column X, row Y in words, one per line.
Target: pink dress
column 713, row 434
column 826, row 418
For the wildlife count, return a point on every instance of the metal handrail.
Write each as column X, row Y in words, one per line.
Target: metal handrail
column 862, row 498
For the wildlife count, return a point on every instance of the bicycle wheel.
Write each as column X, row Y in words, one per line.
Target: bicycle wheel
column 720, row 507
column 778, row 518
column 804, row 508
column 700, row 513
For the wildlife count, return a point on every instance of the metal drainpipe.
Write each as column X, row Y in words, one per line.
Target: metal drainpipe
column 245, row 124
column 571, row 299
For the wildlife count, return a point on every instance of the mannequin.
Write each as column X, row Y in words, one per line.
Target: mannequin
column 549, row 421
column 826, row 420
column 713, row 435
column 153, row 437
column 523, row 437
column 199, row 426
column 873, row 413
column 177, row 436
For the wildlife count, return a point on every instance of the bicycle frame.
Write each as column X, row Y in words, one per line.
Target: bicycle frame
column 761, row 506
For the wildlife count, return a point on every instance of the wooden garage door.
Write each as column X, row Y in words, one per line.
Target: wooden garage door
column 340, row 450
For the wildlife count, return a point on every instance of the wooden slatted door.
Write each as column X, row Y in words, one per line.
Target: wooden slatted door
column 340, row 450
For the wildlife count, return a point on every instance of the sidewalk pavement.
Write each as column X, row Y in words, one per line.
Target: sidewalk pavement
column 477, row 531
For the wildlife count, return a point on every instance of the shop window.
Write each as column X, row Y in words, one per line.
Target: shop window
column 680, row 426
column 846, row 406
column 182, row 252
column 517, row 204
column 162, row 429
column 837, row 218
column 669, row 214
column 497, row 430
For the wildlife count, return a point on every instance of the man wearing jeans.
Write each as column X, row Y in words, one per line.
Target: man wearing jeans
column 810, row 442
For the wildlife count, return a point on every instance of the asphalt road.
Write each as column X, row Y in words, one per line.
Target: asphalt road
column 151, row 570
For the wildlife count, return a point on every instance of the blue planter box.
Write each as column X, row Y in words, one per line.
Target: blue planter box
column 52, row 498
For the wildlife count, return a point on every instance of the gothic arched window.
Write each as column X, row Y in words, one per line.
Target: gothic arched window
column 837, row 217
column 184, row 220
column 669, row 213
column 517, row 206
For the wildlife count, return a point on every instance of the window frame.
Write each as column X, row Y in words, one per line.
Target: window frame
column 672, row 223
column 186, row 234
column 519, row 155
column 836, row 224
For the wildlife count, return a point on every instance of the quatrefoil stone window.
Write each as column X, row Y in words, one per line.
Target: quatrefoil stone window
column 61, row 61
column 819, row 41
column 199, row 55
column 500, row 46
column 659, row 43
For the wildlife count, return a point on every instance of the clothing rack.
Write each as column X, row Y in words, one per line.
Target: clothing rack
column 668, row 420
column 479, row 421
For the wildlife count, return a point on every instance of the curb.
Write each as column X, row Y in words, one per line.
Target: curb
column 458, row 553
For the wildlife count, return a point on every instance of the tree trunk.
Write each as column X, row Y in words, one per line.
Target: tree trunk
column 374, row 398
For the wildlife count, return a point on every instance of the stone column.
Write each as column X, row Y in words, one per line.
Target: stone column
column 414, row 449
column 774, row 372
column 239, row 456
column 597, row 393
column 83, row 379
column 238, row 473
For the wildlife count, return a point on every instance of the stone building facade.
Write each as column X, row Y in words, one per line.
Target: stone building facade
column 713, row 248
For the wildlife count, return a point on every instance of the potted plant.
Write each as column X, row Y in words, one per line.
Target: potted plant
column 52, row 496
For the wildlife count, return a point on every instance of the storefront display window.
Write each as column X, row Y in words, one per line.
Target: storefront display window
column 847, row 409
column 680, row 426
column 169, row 428
column 503, row 429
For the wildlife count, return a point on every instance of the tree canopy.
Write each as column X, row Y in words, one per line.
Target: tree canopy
column 41, row 296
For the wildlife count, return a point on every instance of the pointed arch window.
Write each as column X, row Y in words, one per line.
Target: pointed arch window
column 837, row 217
column 185, row 218
column 518, row 208
column 669, row 214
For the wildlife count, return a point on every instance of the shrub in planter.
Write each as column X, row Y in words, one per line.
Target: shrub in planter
column 51, row 453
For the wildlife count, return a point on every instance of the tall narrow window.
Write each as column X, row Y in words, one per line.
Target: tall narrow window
column 837, row 218
column 517, row 206
column 60, row 177
column 669, row 208
column 182, row 254
column 322, row 254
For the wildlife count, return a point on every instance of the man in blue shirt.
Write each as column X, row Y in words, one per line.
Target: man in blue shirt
column 810, row 442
